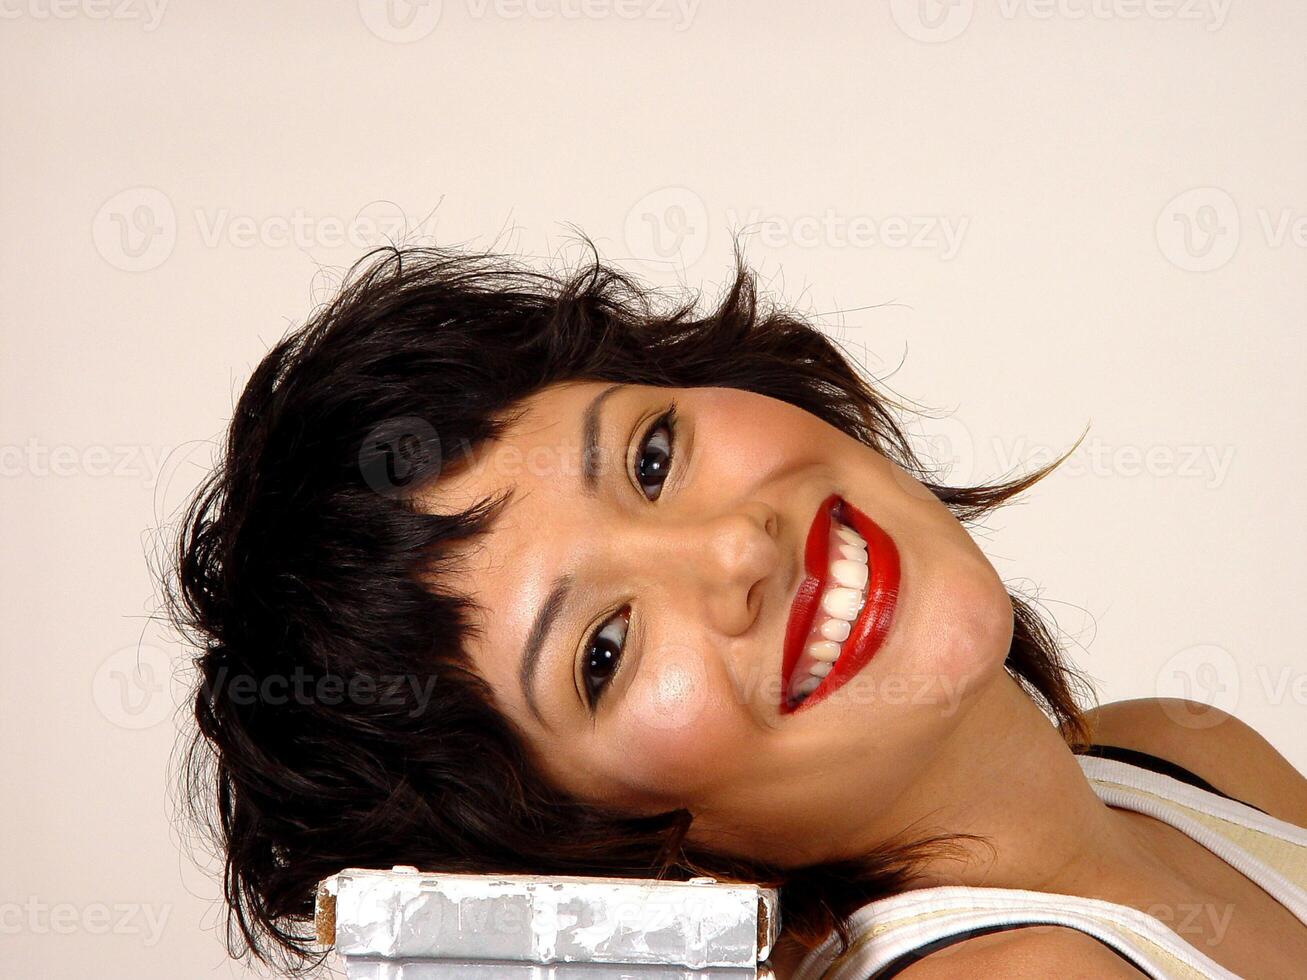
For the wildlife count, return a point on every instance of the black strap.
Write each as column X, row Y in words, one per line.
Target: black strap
column 1145, row 760
column 902, row 962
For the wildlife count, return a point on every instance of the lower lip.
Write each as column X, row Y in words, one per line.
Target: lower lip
column 868, row 632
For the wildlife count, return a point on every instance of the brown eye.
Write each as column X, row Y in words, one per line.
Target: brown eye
column 654, row 461
column 602, row 654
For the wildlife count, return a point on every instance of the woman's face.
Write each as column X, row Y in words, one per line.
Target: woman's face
column 678, row 580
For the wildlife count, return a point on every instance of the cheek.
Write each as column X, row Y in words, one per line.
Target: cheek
column 967, row 624
column 672, row 731
column 750, row 433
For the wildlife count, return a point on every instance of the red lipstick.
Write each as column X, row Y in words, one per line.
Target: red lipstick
column 869, row 630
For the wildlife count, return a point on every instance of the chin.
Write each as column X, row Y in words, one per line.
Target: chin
column 966, row 629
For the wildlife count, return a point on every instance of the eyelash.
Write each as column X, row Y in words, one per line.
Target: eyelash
column 668, row 421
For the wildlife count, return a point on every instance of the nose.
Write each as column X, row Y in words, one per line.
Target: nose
column 734, row 556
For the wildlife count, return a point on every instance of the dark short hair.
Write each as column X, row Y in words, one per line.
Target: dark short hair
column 302, row 566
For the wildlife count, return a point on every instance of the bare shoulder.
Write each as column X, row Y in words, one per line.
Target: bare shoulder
column 1210, row 743
column 1029, row 952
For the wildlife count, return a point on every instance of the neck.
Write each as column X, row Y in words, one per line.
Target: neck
column 1008, row 776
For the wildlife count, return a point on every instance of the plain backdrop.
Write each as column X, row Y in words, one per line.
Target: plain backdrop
column 1026, row 216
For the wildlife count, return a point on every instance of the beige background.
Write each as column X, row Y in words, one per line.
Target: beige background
column 1036, row 215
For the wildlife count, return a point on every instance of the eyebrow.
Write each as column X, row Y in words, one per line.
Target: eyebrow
column 556, row 601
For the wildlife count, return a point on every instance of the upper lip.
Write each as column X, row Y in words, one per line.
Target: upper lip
column 803, row 608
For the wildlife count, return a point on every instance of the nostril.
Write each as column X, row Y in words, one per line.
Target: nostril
column 752, row 599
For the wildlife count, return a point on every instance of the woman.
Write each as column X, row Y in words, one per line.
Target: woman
column 504, row 572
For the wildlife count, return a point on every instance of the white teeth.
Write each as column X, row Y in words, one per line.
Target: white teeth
column 850, row 574
column 825, row 650
column 853, row 553
column 849, row 535
column 835, row 629
column 840, row 603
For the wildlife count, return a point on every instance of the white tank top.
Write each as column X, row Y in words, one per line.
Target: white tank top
column 1273, row 853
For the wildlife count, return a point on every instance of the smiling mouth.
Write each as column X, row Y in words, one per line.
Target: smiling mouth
column 844, row 605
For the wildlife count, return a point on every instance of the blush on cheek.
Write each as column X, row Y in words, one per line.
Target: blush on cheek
column 664, row 729
column 749, row 434
column 971, row 619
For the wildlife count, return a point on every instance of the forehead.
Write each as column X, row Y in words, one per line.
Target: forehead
column 540, row 533
column 543, row 451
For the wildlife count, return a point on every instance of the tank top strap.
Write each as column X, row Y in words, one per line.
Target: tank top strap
column 1153, row 763
column 1270, row 851
column 890, row 934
